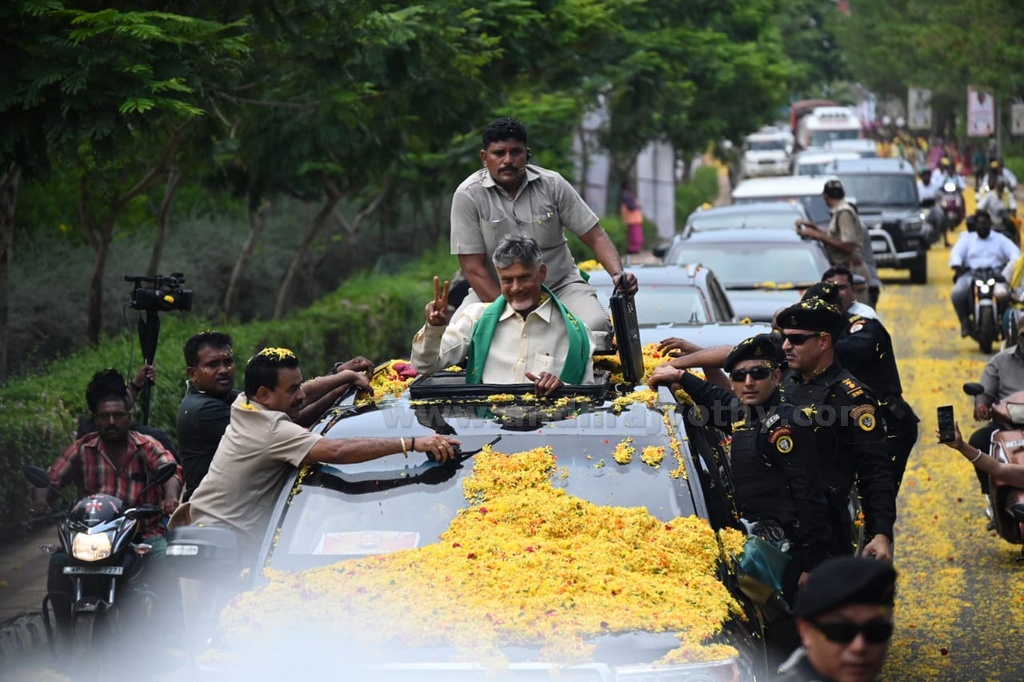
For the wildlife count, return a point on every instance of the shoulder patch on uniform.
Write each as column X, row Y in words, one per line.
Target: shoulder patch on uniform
column 771, row 420
column 856, row 327
column 780, row 433
column 785, row 443
column 865, row 416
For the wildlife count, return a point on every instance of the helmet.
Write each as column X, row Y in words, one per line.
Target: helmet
column 93, row 510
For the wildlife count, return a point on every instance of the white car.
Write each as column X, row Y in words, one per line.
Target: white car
column 766, row 154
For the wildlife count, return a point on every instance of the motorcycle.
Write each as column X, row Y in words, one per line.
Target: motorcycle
column 1005, row 501
column 950, row 209
column 105, row 566
column 987, row 315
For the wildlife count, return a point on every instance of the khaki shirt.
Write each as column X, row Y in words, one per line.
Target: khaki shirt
column 537, row 344
column 845, row 226
column 545, row 206
column 258, row 452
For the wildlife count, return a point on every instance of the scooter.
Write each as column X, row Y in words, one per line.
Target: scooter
column 986, row 318
column 105, row 566
column 1007, row 503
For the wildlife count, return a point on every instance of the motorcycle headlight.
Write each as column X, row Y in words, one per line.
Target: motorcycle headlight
column 91, row 547
column 982, row 288
column 991, row 282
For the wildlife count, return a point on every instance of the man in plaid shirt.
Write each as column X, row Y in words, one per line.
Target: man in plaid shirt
column 113, row 460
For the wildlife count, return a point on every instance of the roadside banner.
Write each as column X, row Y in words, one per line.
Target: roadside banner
column 1017, row 118
column 919, row 106
column 981, row 113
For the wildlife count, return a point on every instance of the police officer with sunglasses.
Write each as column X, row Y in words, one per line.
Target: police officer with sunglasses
column 844, row 417
column 845, row 619
column 777, row 486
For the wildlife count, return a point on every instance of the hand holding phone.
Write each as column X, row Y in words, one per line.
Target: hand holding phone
column 947, row 431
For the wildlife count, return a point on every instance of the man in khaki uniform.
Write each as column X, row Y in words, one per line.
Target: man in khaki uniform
column 844, row 240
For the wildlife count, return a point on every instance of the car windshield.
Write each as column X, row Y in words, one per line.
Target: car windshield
column 881, row 189
column 386, row 505
column 780, row 219
column 741, row 265
column 765, row 145
column 666, row 304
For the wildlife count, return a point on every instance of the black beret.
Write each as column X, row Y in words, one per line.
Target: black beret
column 826, row 291
column 760, row 347
column 846, row 580
column 812, row 314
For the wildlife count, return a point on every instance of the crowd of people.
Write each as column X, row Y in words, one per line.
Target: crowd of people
column 816, row 408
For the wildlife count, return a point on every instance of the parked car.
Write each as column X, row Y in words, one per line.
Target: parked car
column 681, row 301
column 885, row 194
column 335, row 523
column 778, row 214
column 761, row 270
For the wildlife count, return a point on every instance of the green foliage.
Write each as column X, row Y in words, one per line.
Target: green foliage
column 702, row 189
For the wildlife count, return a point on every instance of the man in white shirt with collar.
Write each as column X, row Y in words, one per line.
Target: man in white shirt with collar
column 511, row 195
column 525, row 335
column 980, row 248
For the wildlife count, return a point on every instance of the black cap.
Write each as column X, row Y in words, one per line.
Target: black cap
column 812, row 314
column 846, row 580
column 826, row 291
column 760, row 347
column 834, row 189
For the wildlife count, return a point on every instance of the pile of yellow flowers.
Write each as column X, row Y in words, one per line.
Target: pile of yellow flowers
column 524, row 563
column 389, row 381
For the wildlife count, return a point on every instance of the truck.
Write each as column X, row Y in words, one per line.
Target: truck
column 825, row 124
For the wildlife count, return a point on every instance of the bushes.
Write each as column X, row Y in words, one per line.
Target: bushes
column 41, row 412
column 703, row 189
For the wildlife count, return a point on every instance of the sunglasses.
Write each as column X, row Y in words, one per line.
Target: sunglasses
column 875, row 631
column 756, row 373
column 801, row 339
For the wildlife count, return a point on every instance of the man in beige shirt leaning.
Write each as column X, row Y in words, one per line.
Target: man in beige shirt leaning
column 525, row 335
column 263, row 445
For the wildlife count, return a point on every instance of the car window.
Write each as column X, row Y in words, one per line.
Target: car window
column 347, row 511
column 883, row 189
column 747, row 264
column 667, row 304
column 816, row 208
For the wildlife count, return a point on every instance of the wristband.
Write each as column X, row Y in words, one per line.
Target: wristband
column 413, row 445
column 976, row 457
column 620, row 272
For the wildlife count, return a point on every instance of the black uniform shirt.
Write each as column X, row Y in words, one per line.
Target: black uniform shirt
column 202, row 420
column 774, row 468
column 844, row 417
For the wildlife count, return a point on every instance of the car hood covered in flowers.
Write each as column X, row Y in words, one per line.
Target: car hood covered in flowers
column 582, row 541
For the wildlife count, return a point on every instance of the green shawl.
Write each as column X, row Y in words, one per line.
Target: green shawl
column 483, row 333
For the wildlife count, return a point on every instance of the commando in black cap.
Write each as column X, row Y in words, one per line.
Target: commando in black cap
column 760, row 347
column 846, row 580
column 812, row 314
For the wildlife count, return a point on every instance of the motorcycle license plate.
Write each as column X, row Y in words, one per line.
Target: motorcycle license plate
column 95, row 570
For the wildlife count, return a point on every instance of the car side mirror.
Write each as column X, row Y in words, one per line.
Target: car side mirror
column 660, row 251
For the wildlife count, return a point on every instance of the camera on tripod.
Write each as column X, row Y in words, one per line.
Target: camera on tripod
column 163, row 293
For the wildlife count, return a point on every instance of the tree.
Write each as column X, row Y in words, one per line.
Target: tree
column 90, row 87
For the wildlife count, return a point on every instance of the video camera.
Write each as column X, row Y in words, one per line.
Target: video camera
column 165, row 293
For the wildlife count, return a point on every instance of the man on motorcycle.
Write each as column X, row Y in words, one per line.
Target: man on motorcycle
column 947, row 173
column 1003, row 376
column 981, row 248
column 113, row 460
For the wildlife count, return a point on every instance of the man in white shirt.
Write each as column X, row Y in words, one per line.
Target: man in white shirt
column 981, row 248
column 525, row 335
column 947, row 173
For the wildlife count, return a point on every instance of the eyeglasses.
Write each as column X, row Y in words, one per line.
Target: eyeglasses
column 875, row 631
column 801, row 339
column 755, row 373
